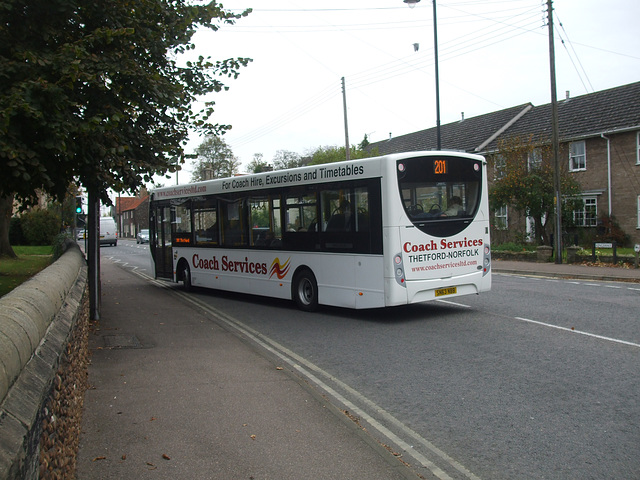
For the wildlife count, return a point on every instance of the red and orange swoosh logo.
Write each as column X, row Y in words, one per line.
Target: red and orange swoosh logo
column 278, row 269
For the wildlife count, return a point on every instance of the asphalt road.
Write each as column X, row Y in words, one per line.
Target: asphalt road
column 129, row 254
column 536, row 379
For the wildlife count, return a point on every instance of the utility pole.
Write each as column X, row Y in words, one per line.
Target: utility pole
column 413, row 3
column 346, row 125
column 555, row 138
column 435, row 50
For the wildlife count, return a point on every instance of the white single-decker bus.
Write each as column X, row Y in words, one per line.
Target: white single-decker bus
column 377, row 232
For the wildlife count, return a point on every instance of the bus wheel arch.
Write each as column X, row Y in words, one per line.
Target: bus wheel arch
column 183, row 273
column 304, row 289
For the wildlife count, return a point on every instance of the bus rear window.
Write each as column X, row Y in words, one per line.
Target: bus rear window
column 440, row 195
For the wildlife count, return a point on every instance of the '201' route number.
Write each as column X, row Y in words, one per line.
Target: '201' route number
column 440, row 167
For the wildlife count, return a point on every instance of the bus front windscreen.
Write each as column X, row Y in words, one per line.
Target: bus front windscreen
column 440, row 194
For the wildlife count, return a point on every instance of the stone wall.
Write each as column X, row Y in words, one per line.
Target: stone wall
column 39, row 332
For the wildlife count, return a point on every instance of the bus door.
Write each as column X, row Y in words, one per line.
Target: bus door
column 161, row 238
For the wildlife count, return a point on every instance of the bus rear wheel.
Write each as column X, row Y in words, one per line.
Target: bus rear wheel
column 185, row 276
column 305, row 291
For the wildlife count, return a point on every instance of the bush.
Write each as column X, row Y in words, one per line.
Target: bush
column 609, row 231
column 513, row 247
column 40, row 227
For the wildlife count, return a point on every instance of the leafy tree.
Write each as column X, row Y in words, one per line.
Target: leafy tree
column 258, row 164
column 285, row 159
column 524, row 180
column 94, row 92
column 331, row 154
column 365, row 142
column 215, row 160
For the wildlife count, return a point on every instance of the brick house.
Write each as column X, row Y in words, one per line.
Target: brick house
column 599, row 145
column 132, row 214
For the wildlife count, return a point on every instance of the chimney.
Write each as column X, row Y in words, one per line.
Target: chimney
column 389, row 135
column 567, row 95
column 462, row 113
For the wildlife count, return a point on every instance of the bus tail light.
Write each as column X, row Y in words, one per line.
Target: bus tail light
column 486, row 262
column 399, row 270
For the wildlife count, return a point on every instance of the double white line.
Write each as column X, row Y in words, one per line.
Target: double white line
column 375, row 416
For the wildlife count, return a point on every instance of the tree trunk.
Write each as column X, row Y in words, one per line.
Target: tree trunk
column 541, row 232
column 6, row 209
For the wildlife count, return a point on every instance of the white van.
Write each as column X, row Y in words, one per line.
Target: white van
column 108, row 234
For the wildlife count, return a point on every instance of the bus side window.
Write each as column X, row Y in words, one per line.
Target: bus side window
column 182, row 218
column 205, row 222
column 340, row 220
column 259, row 220
column 233, row 226
column 301, row 211
column 361, row 198
column 350, row 212
column 333, row 206
column 181, row 231
column 300, row 218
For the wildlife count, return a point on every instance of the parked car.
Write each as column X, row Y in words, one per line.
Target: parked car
column 143, row 236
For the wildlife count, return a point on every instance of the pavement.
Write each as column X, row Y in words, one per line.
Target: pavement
column 576, row 271
column 175, row 395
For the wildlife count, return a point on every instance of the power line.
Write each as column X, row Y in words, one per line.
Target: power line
column 393, row 69
column 576, row 55
column 503, row 25
column 449, row 51
column 300, row 110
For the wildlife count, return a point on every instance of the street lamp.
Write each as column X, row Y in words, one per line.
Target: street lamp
column 412, row 3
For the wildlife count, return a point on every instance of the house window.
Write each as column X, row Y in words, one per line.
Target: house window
column 499, row 167
column 534, row 159
column 501, row 218
column 638, row 149
column 577, row 156
column 587, row 215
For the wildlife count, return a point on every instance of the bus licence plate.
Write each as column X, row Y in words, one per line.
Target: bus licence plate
column 446, row 291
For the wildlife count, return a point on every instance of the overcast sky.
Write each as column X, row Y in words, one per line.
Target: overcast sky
column 493, row 54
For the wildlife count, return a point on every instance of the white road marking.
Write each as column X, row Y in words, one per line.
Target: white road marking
column 449, row 302
column 571, row 282
column 579, row 332
column 304, row 366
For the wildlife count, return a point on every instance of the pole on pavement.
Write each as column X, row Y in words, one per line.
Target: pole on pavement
column 555, row 138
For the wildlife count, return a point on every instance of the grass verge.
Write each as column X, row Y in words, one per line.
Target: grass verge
column 30, row 261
